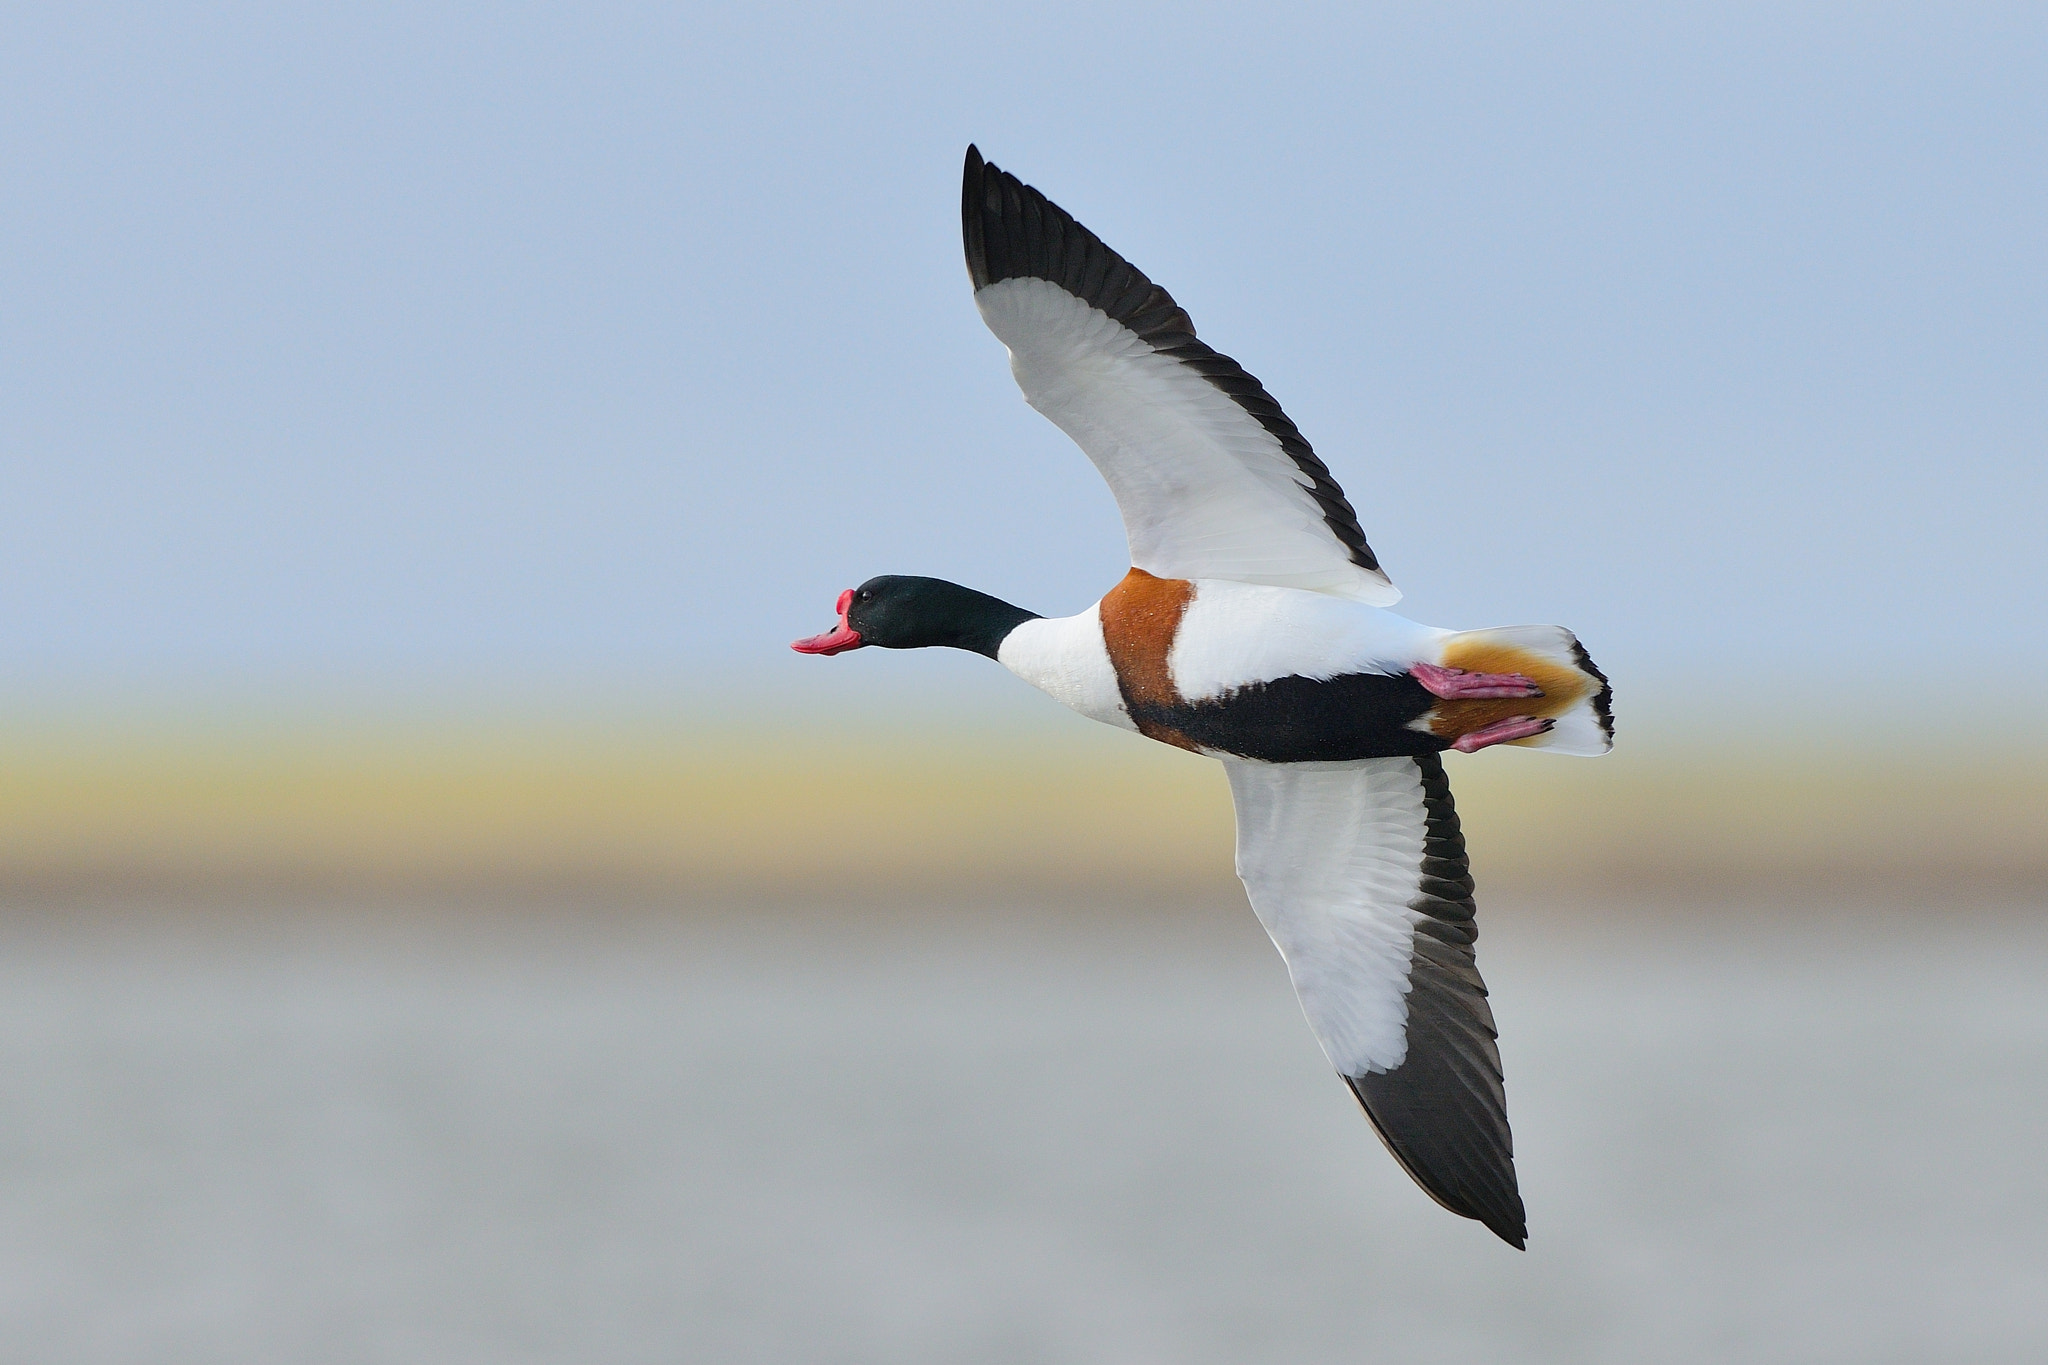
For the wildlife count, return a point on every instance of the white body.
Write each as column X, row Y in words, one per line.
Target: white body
column 1231, row 636
column 1065, row 658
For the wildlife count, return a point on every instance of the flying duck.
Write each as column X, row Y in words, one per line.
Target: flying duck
column 1253, row 627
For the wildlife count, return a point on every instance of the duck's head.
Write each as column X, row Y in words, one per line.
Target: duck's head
column 897, row 611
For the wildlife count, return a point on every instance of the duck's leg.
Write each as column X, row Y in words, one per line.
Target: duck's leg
column 1500, row 732
column 1455, row 684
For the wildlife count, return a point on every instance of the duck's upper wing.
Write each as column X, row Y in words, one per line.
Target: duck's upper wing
column 1358, row 872
column 1212, row 478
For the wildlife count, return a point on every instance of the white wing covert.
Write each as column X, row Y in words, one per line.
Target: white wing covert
column 1212, row 478
column 1358, row 872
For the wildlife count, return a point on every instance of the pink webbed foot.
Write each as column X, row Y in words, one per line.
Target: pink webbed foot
column 1455, row 684
column 1500, row 732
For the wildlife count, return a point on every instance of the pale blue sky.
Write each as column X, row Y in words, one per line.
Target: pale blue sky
column 608, row 343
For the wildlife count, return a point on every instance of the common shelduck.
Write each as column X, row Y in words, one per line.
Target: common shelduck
column 1253, row 627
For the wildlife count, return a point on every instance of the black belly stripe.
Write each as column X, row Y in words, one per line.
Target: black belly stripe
column 1306, row 720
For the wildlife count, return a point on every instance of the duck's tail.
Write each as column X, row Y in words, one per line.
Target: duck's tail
column 1576, row 697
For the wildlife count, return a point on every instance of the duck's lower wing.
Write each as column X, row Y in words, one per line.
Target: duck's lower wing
column 1358, row 872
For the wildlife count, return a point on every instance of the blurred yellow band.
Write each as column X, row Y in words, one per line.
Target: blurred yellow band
column 963, row 812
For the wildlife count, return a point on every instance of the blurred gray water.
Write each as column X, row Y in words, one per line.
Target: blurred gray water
column 582, row 1135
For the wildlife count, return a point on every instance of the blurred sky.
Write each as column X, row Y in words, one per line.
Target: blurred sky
column 607, row 343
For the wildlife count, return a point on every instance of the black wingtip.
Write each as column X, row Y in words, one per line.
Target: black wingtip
column 1514, row 1230
column 1474, row 1182
column 973, row 233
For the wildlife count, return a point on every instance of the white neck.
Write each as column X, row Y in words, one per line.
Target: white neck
column 1064, row 657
